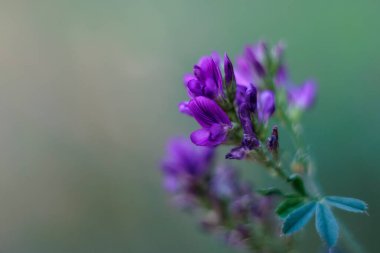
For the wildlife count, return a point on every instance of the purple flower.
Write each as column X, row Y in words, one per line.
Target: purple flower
column 247, row 103
column 251, row 65
column 242, row 205
column 302, row 97
column 281, row 75
column 214, row 121
column 224, row 184
column 278, row 52
column 184, row 164
column 262, row 207
column 238, row 236
column 266, row 105
column 206, row 79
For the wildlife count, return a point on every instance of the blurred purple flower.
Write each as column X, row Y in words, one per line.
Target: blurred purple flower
column 242, row 205
column 250, row 65
column 237, row 237
column 266, row 105
column 281, row 75
column 206, row 79
column 214, row 121
column 302, row 97
column 184, row 164
column 224, row 184
column 262, row 207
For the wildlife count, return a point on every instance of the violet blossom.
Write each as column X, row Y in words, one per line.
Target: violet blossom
column 213, row 120
column 184, row 164
column 302, row 97
column 247, row 105
column 235, row 109
column 206, row 79
column 266, row 105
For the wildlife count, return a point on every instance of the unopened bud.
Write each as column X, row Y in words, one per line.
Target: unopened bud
column 272, row 142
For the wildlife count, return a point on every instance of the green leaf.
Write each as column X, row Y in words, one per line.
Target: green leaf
column 297, row 184
column 298, row 218
column 326, row 224
column 270, row 192
column 288, row 205
column 347, row 204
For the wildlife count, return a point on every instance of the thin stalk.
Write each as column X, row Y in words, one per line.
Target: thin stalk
column 348, row 237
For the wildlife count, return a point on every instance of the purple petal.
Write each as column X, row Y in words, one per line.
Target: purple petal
column 251, row 98
column 243, row 72
column 210, row 89
column 209, row 137
column 200, row 137
column 184, row 158
column 225, row 184
column 207, row 112
column 237, row 153
column 183, row 107
column 266, row 105
column 194, row 87
column 256, row 55
column 240, row 94
column 171, row 183
column 216, row 57
column 278, row 51
column 207, row 73
column 281, row 75
column 303, row 97
column 199, row 72
column 187, row 77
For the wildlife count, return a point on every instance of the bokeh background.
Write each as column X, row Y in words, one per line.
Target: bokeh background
column 88, row 95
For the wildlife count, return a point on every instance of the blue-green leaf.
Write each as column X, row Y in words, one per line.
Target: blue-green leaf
column 298, row 218
column 326, row 224
column 347, row 204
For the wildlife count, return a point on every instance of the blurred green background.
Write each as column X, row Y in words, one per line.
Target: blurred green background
column 88, row 95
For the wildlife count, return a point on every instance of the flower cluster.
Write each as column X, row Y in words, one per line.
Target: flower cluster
column 228, row 206
column 235, row 107
column 245, row 105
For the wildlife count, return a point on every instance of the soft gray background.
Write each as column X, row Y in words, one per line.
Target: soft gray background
column 88, row 94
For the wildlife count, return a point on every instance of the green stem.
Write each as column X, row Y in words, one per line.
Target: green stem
column 349, row 239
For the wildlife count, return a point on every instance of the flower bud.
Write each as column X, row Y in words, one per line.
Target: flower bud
column 272, row 142
column 228, row 70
